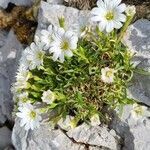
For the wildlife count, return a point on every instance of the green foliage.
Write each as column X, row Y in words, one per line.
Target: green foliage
column 77, row 83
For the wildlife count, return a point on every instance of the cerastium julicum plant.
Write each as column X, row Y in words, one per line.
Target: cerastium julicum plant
column 85, row 77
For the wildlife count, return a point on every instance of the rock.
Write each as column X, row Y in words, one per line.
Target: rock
column 3, row 36
column 10, row 147
column 5, row 137
column 137, row 39
column 55, row 1
column 73, row 17
column 96, row 136
column 42, row 138
column 134, row 131
column 9, row 55
column 4, row 3
column 57, row 139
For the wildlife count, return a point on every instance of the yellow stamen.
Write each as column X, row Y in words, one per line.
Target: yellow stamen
column 64, row 45
column 32, row 115
column 109, row 16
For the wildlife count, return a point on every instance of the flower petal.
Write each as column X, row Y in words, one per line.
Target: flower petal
column 121, row 8
column 109, row 26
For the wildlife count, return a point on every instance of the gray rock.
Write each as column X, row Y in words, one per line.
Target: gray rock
column 55, row 1
column 137, row 39
column 43, row 138
column 4, row 3
column 57, row 139
column 3, row 36
column 48, row 15
column 10, row 147
column 96, row 136
column 134, row 131
column 9, row 55
column 5, row 137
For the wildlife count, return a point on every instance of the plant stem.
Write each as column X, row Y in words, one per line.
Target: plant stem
column 129, row 20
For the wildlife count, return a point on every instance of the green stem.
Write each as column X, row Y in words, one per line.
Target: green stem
column 129, row 20
column 61, row 22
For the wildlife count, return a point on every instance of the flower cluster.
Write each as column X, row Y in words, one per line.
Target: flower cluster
column 73, row 73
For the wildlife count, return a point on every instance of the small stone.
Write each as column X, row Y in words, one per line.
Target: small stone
column 5, row 137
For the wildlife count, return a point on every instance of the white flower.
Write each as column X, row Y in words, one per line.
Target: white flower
column 22, row 77
column 107, row 75
column 24, row 62
column 46, row 37
column 23, row 98
column 48, row 97
column 32, row 56
column 95, row 120
column 35, row 56
column 30, row 117
column 139, row 111
column 63, row 44
column 130, row 10
column 109, row 14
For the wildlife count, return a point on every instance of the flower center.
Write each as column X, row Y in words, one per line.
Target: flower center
column 109, row 15
column 64, row 45
column 40, row 55
column 109, row 73
column 32, row 115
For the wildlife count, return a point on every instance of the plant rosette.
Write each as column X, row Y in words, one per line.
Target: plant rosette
column 83, row 76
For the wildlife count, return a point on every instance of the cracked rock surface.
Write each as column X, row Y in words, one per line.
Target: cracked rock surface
column 98, row 138
column 138, row 41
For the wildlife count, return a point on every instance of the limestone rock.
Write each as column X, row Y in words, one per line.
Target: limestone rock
column 57, row 139
column 5, row 137
column 137, row 39
column 9, row 55
column 4, row 3
column 44, row 137
column 73, row 17
column 96, row 136
column 134, row 131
